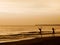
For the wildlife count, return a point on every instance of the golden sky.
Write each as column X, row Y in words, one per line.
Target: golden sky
column 29, row 12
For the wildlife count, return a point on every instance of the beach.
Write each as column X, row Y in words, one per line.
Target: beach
column 28, row 35
column 36, row 41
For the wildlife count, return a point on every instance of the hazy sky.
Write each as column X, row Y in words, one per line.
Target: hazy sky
column 29, row 12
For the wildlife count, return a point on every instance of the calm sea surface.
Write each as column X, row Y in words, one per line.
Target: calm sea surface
column 6, row 30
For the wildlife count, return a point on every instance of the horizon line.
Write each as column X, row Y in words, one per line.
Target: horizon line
column 35, row 25
column 47, row 25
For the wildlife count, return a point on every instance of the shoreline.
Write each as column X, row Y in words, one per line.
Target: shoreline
column 36, row 41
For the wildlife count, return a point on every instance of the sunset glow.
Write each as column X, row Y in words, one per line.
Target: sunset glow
column 29, row 12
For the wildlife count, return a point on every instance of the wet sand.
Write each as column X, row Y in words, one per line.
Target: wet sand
column 36, row 41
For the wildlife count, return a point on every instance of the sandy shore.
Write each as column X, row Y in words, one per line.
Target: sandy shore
column 36, row 41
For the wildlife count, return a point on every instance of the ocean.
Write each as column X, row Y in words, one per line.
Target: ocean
column 16, row 29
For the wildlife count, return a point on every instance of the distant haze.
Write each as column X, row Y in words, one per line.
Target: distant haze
column 29, row 12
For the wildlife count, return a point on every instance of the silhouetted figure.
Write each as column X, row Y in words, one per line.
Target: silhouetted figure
column 40, row 30
column 53, row 30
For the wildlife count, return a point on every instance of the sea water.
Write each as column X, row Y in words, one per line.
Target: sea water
column 13, row 29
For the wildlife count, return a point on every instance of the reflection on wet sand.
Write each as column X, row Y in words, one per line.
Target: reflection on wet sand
column 26, row 36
